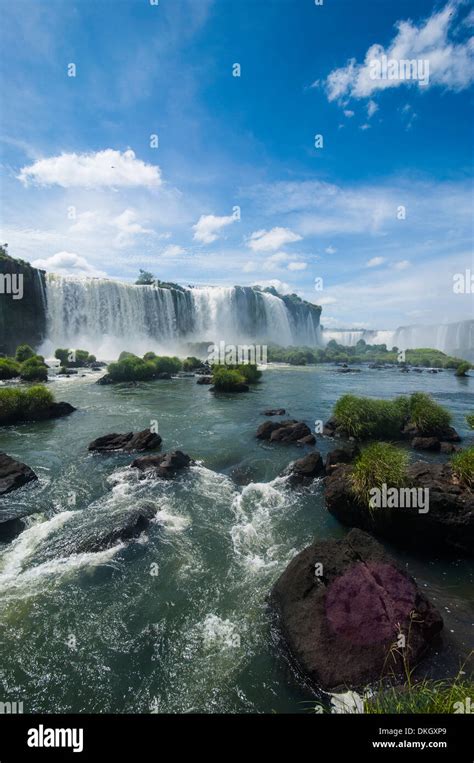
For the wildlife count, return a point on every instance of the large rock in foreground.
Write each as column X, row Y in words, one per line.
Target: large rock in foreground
column 342, row 605
column 165, row 465
column 138, row 441
column 448, row 525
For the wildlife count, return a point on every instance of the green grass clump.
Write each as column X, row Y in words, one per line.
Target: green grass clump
column 21, row 403
column 226, row 379
column 74, row 358
column 429, row 417
column 250, row 372
column 462, row 464
column 365, row 417
column 9, row 368
column 470, row 420
column 34, row 369
column 379, row 463
column 424, row 697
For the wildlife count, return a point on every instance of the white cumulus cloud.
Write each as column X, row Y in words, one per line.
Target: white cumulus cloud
column 269, row 241
column 68, row 264
column 207, row 227
column 108, row 168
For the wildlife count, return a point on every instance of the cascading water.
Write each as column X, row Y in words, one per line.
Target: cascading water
column 452, row 338
column 106, row 317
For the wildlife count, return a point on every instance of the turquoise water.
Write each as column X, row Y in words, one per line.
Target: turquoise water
column 177, row 621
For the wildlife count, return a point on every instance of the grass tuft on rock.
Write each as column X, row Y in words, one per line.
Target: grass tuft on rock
column 428, row 416
column 462, row 464
column 425, row 697
column 21, row 403
column 379, row 463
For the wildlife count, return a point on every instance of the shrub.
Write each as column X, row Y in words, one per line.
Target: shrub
column 63, row 356
column 9, row 368
column 166, row 364
column 147, row 355
column 379, row 463
column 34, row 369
column 462, row 369
column 24, row 352
column 462, row 464
column 21, row 403
column 10, row 403
column 470, row 420
column 250, row 372
column 191, row 363
column 74, row 358
column 429, row 417
column 365, row 417
column 131, row 368
column 37, row 398
column 225, row 378
column 123, row 355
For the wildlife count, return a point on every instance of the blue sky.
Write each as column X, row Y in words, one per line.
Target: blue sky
column 236, row 191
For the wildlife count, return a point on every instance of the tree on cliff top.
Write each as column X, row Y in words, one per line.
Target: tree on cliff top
column 145, row 278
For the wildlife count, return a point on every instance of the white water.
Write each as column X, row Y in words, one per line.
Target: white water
column 106, row 317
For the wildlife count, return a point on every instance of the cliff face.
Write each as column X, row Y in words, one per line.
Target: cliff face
column 22, row 320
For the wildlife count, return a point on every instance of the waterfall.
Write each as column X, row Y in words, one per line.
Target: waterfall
column 452, row 338
column 106, row 317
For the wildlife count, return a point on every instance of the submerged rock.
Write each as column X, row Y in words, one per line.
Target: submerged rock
column 204, row 379
column 126, row 528
column 13, row 474
column 341, row 607
column 165, row 465
column 274, row 412
column 446, row 525
column 110, row 443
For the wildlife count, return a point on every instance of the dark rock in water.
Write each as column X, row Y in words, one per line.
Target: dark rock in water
column 109, row 443
column 204, row 379
column 306, row 469
column 286, row 432
column 447, row 525
column 106, row 379
column 349, row 370
column 342, row 605
column 425, row 443
column 274, row 412
column 292, row 433
column 418, row 370
column 309, row 439
column 163, row 375
column 165, row 465
column 449, row 447
column 56, row 410
column 67, row 372
column 341, row 456
column 13, row 474
column 266, row 429
column 126, row 528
